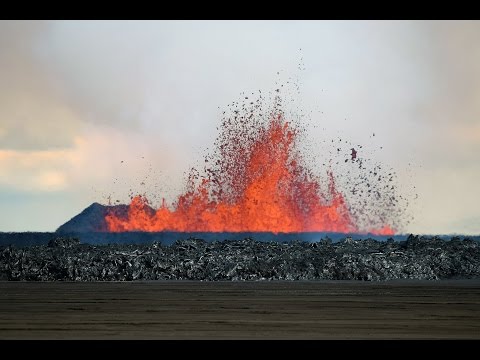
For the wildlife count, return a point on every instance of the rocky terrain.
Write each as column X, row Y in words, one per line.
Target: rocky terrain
column 66, row 259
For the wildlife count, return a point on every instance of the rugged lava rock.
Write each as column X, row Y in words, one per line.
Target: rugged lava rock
column 64, row 242
column 195, row 259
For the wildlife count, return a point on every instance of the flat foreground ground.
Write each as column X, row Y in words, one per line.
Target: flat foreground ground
column 240, row 310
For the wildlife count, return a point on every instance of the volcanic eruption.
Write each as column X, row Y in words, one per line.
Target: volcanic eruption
column 256, row 180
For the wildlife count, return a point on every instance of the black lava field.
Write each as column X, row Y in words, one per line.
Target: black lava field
column 67, row 259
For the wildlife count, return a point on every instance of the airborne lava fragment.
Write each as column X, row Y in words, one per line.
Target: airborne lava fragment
column 256, row 180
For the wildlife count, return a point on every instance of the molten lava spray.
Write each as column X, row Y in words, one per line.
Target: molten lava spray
column 255, row 181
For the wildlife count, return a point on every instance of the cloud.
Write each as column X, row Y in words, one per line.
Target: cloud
column 35, row 170
column 102, row 160
column 54, row 180
column 33, row 114
column 451, row 102
column 79, row 97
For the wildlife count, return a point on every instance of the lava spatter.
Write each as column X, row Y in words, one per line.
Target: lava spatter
column 256, row 180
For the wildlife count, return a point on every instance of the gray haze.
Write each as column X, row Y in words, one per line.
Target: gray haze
column 79, row 97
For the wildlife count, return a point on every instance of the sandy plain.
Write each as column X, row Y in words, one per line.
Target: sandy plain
column 240, row 310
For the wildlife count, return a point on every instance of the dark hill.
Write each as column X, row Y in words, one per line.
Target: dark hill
column 92, row 219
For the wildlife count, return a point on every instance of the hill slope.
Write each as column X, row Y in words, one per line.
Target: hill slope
column 92, row 219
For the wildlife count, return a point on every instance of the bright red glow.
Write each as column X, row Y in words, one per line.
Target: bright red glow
column 258, row 184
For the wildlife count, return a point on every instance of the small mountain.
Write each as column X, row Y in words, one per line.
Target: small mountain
column 92, row 219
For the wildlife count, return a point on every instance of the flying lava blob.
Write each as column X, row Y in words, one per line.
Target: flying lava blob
column 256, row 180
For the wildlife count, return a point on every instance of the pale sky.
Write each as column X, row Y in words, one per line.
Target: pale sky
column 79, row 97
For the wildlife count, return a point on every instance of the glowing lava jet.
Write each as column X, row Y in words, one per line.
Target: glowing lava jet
column 255, row 182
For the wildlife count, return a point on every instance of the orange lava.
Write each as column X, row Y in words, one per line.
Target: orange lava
column 258, row 187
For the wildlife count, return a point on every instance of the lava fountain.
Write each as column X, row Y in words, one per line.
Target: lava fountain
column 255, row 181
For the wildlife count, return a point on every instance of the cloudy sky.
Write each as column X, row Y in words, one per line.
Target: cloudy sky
column 89, row 109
